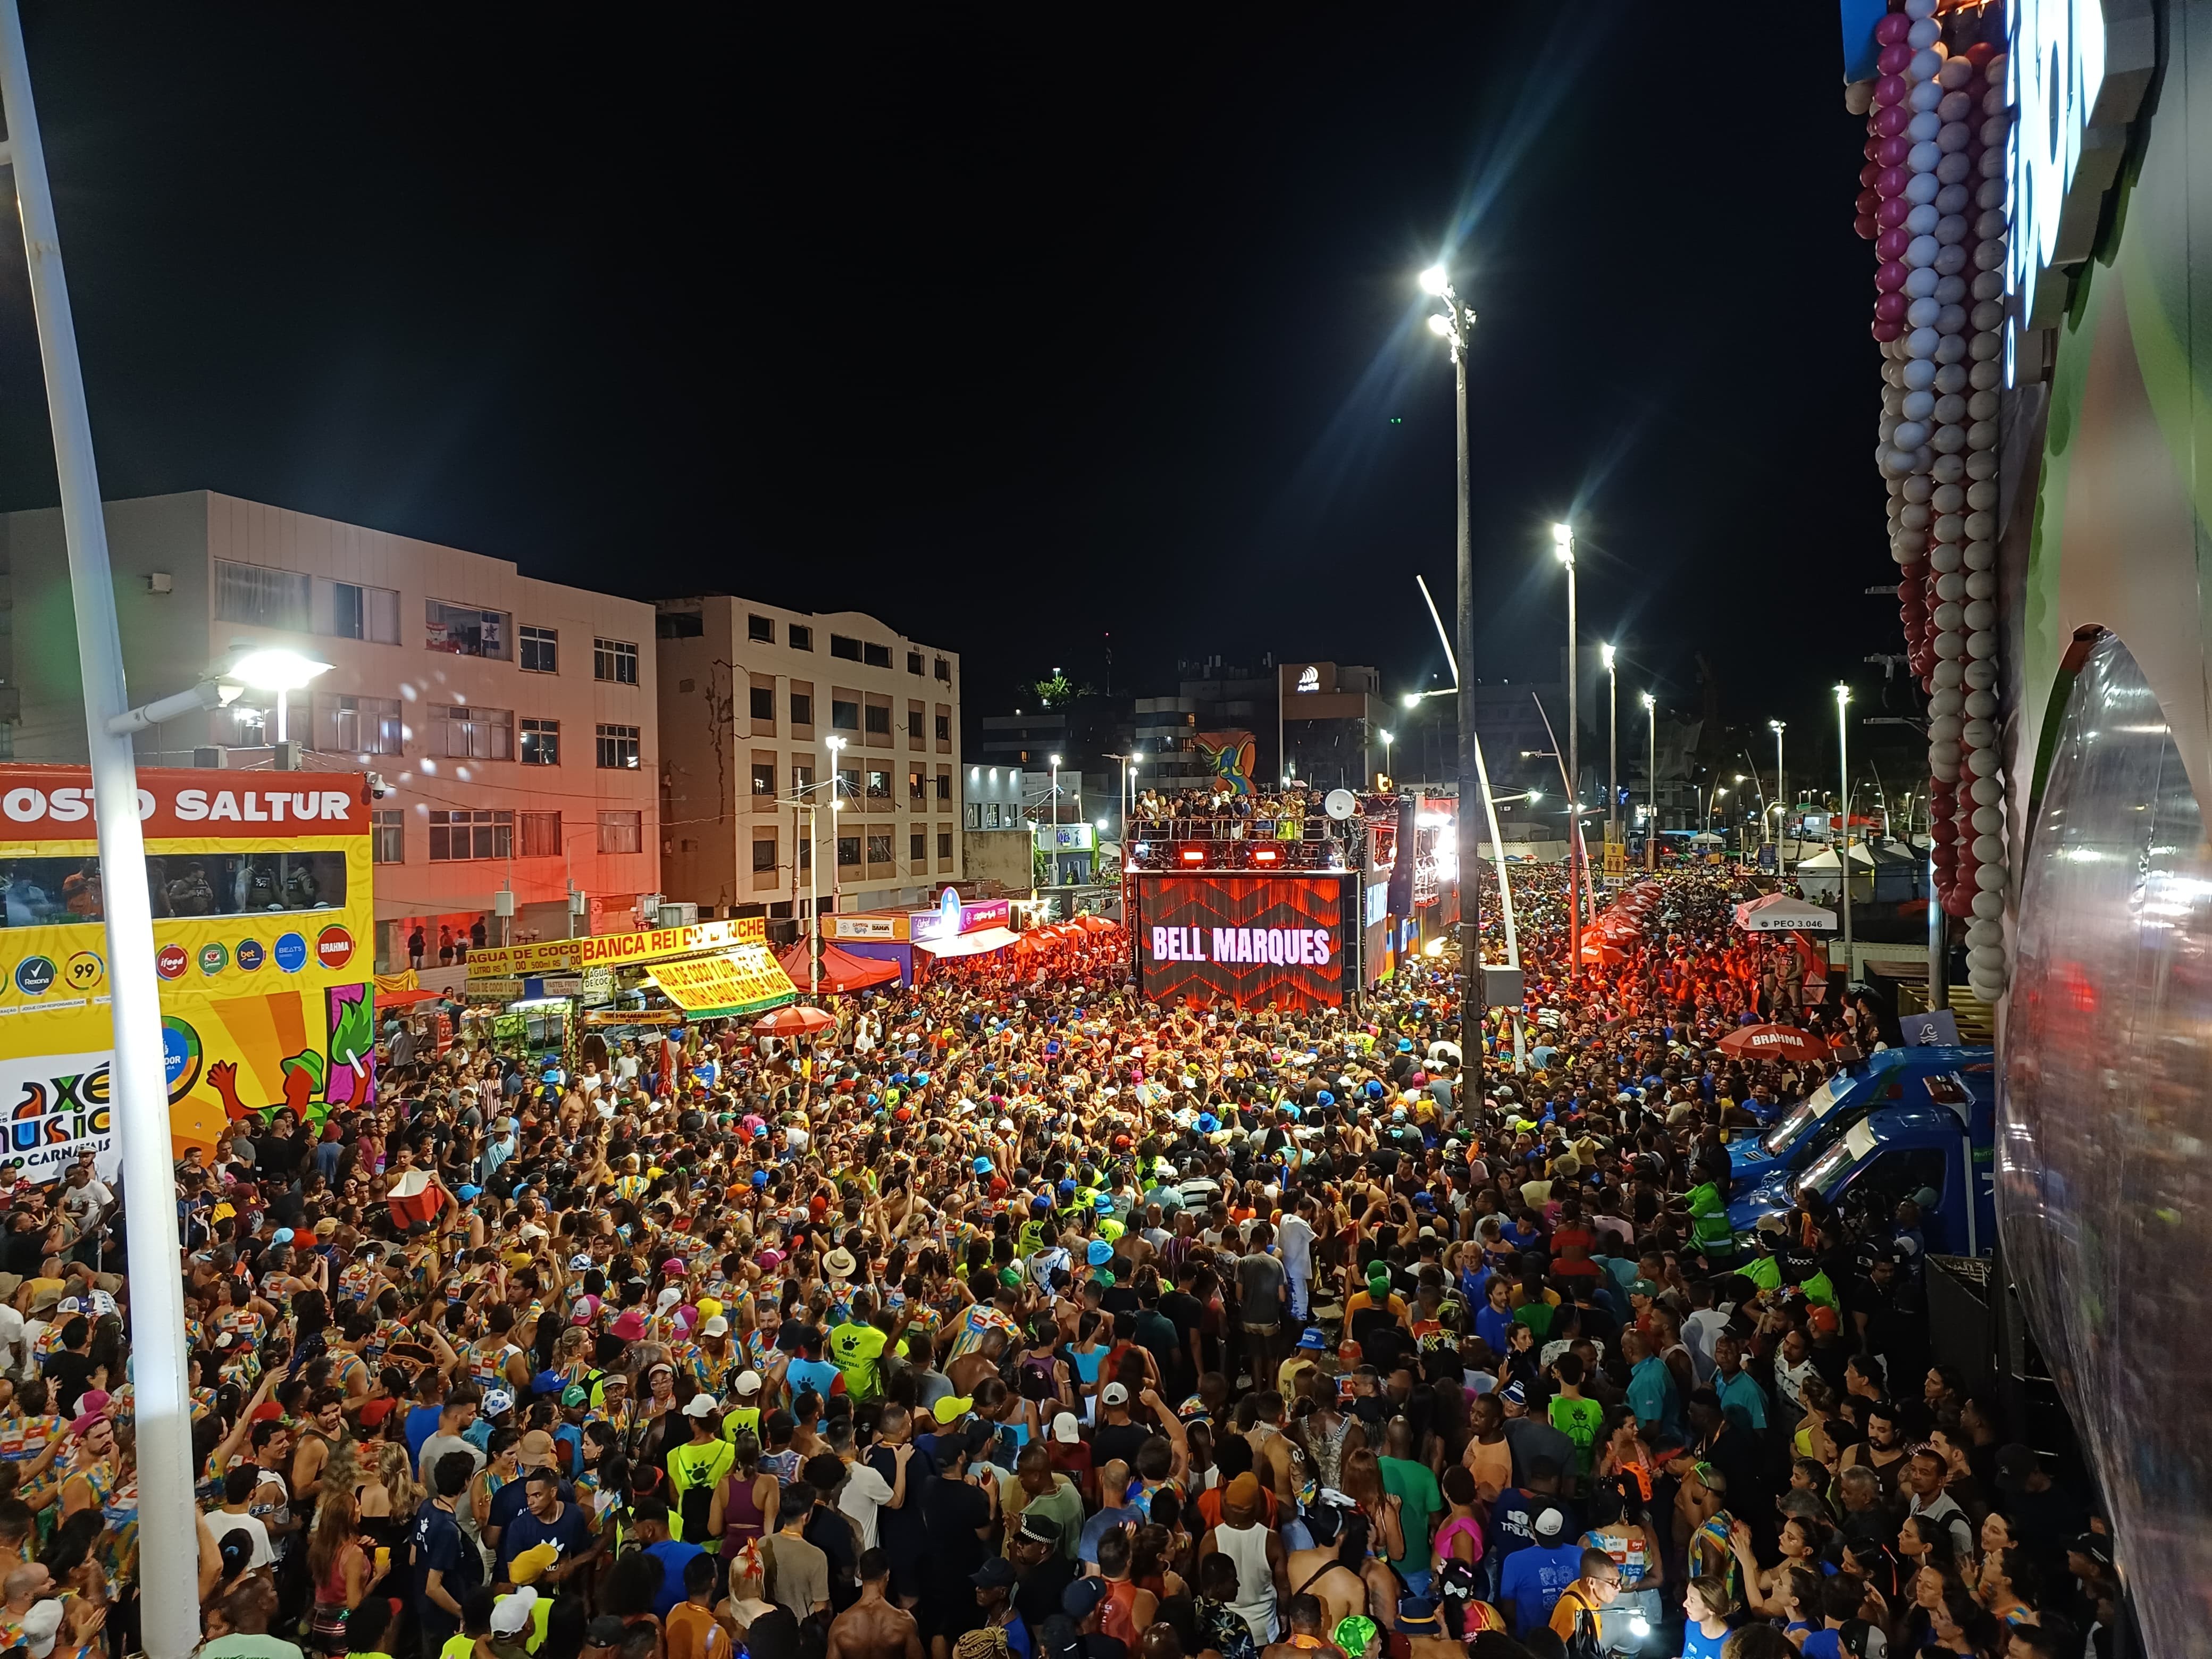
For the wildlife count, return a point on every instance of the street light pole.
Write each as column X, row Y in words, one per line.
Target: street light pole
column 1563, row 544
column 1844, row 841
column 168, row 1539
column 1454, row 324
column 1612, row 747
column 1386, row 751
column 1652, row 784
column 1781, row 806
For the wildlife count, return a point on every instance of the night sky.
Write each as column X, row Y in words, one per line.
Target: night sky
column 1012, row 332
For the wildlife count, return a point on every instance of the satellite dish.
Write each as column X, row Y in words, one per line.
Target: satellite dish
column 1341, row 805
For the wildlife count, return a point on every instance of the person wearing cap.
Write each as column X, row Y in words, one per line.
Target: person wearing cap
column 1375, row 1303
column 1007, row 1631
column 1262, row 1562
column 1532, row 1580
column 695, row 1472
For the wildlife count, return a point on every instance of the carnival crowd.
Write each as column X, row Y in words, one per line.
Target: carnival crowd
column 1015, row 1315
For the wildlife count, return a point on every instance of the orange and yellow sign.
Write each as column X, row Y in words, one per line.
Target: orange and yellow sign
column 264, row 940
column 567, row 956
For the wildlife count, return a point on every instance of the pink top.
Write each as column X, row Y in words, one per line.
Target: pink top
column 1452, row 1529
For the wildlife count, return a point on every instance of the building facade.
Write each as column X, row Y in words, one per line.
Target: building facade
column 511, row 720
column 804, row 751
column 998, row 847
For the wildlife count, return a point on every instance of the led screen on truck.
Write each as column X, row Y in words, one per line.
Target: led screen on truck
column 1256, row 941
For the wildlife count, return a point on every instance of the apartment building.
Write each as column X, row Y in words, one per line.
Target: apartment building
column 512, row 720
column 792, row 739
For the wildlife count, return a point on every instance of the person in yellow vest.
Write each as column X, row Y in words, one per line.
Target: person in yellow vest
column 744, row 1416
column 696, row 1471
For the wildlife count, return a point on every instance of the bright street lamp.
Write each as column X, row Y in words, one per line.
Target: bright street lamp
column 274, row 668
column 1055, row 791
column 1651, row 785
column 1843, row 840
column 1436, row 279
column 1563, row 548
column 1612, row 745
column 1386, row 736
column 1781, row 804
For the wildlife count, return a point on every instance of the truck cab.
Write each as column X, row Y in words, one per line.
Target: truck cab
column 1939, row 1148
column 1887, row 1077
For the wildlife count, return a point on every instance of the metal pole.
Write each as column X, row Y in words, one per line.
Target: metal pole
column 814, row 894
column 1782, row 816
column 1472, row 1006
column 1612, row 751
column 1574, row 788
column 168, row 1537
column 1651, row 785
column 1844, row 841
column 1938, row 955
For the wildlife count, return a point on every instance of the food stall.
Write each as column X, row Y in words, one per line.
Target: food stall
column 913, row 939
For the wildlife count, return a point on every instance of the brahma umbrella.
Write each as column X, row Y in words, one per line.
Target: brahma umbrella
column 1773, row 1043
column 793, row 1020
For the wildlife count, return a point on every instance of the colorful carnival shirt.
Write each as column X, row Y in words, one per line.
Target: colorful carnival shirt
column 981, row 1319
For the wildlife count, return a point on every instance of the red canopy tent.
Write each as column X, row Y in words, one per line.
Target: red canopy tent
column 841, row 970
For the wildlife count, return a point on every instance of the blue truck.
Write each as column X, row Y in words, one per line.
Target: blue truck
column 1934, row 1140
column 1794, row 1137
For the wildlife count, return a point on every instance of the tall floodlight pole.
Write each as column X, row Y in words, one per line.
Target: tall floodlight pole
column 1844, row 841
column 1612, row 745
column 1651, row 783
column 1781, row 806
column 1453, row 324
column 1563, row 545
column 168, row 1534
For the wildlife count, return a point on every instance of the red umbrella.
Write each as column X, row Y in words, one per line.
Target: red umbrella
column 1092, row 922
column 1773, row 1043
column 794, row 1021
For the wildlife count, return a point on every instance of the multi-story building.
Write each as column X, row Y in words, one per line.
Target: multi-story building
column 766, row 713
column 511, row 719
column 997, row 845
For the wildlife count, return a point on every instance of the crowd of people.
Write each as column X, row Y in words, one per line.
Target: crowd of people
column 1015, row 1315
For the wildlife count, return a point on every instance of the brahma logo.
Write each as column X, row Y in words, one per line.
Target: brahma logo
column 334, row 947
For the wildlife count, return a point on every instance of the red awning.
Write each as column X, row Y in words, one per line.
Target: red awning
column 405, row 998
column 841, row 970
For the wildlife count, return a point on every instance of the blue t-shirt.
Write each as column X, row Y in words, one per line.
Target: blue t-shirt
column 1532, row 1581
column 571, row 1435
column 421, row 1424
column 818, row 1375
column 674, row 1557
column 439, row 1546
column 1822, row 1644
column 568, row 1532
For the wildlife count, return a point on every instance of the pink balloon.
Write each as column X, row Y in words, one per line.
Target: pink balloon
column 1891, row 211
column 1893, row 152
column 1888, row 122
column 1891, row 309
column 1866, row 227
column 1892, row 181
column 1892, row 29
column 1893, row 58
column 1890, row 89
column 1891, row 244
column 1884, row 332
column 1889, row 275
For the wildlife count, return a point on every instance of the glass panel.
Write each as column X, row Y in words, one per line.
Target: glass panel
column 55, row 891
column 465, row 631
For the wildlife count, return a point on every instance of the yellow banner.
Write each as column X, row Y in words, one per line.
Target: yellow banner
column 735, row 982
column 565, row 956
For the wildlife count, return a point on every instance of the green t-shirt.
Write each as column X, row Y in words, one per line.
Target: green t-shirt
column 1581, row 1421
column 1419, row 1502
column 857, row 1351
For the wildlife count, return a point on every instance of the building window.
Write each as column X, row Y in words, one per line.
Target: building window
column 848, row 783
column 541, row 650
column 879, row 720
column 876, row 656
column 458, row 837
column 541, row 834
column 387, row 836
column 798, row 636
column 917, row 787
column 802, row 708
column 844, row 646
column 879, row 784
column 917, row 847
column 805, row 854
column 614, row 660
column 942, row 671
column 945, row 728
column 762, row 629
column 261, row 597
column 945, row 843
column 618, row 748
column 358, row 725
column 680, row 625
column 621, row 832
column 347, row 610
column 764, row 703
column 474, row 733
column 879, row 848
column 763, row 855
column 944, row 785
column 974, row 815
column 913, row 662
column 763, row 778
column 802, row 777
column 848, row 852
column 463, row 630
column 844, row 716
column 541, row 743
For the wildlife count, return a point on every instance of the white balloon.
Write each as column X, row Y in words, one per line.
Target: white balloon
column 1949, row 700
column 1980, row 705
column 1943, row 729
column 1943, row 556
column 1989, row 849
column 1981, row 614
column 1946, row 675
column 1979, row 676
column 1988, row 821
column 1982, row 645
column 1985, row 935
column 1989, row 905
column 1990, row 878
column 1986, row 960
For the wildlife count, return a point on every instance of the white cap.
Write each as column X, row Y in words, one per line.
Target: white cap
column 510, row 1614
column 1065, row 1430
column 699, row 1405
column 748, row 1383
column 1550, row 1523
column 40, row 1624
column 717, row 1326
column 1114, row 1394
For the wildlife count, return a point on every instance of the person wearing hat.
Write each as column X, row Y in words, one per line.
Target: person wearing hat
column 1374, row 1304
column 696, row 1471
column 1261, row 1562
column 1532, row 1580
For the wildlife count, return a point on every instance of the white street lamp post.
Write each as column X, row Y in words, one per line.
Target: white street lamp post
column 1612, row 745
column 1781, row 806
column 1843, row 840
column 1651, row 785
column 1563, row 547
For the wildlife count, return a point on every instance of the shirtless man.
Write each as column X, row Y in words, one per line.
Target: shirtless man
column 1306, row 1640
column 1282, row 1465
column 875, row 1626
column 1331, row 1574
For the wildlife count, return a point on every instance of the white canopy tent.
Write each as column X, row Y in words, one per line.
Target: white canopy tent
column 1777, row 912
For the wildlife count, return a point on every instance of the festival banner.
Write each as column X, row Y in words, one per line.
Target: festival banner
column 1257, row 941
column 741, row 982
column 567, row 956
column 263, row 917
